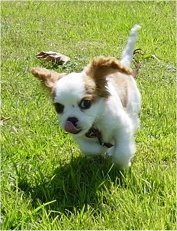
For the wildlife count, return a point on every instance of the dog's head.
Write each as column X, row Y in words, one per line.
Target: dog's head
column 79, row 98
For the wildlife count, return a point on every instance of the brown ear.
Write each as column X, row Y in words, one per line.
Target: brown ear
column 102, row 66
column 106, row 65
column 48, row 77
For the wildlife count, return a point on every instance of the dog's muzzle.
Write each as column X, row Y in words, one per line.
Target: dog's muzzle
column 71, row 125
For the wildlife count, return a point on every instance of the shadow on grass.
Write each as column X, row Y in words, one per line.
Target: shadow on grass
column 75, row 185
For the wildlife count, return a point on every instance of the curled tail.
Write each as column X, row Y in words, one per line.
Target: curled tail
column 127, row 54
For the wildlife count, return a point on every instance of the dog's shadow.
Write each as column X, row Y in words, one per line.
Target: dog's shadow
column 75, row 184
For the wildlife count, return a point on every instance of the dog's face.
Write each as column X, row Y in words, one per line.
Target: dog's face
column 76, row 103
column 79, row 98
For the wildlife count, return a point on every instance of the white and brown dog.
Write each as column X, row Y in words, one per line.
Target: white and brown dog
column 99, row 106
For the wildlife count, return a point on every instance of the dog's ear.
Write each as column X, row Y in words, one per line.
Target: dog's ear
column 47, row 77
column 100, row 67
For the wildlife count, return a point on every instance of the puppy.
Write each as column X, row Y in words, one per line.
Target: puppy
column 99, row 106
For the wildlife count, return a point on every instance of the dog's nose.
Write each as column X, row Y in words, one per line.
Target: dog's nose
column 73, row 120
column 71, row 125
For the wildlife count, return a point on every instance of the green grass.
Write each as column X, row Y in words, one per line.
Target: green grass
column 47, row 184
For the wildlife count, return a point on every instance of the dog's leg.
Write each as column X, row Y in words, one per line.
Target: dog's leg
column 124, row 148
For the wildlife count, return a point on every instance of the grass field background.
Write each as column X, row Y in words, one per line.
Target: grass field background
column 47, row 184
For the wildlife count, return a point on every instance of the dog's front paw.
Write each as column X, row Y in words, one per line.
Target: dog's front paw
column 122, row 164
column 122, row 156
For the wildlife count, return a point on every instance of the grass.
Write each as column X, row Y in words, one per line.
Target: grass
column 47, row 184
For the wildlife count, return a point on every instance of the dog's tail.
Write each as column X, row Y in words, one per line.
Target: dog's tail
column 127, row 54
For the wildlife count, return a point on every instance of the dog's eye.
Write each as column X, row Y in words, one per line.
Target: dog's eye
column 59, row 107
column 85, row 104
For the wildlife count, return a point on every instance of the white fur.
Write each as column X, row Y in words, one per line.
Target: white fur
column 127, row 54
column 116, row 124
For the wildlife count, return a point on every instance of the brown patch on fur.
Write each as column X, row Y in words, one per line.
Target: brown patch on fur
column 90, row 87
column 121, row 82
column 47, row 77
column 123, row 86
column 98, row 70
column 91, row 98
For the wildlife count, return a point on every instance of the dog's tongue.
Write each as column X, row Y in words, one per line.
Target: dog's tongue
column 69, row 127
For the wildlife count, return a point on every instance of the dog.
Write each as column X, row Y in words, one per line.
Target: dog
column 100, row 105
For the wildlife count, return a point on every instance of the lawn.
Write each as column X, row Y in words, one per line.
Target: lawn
column 46, row 183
